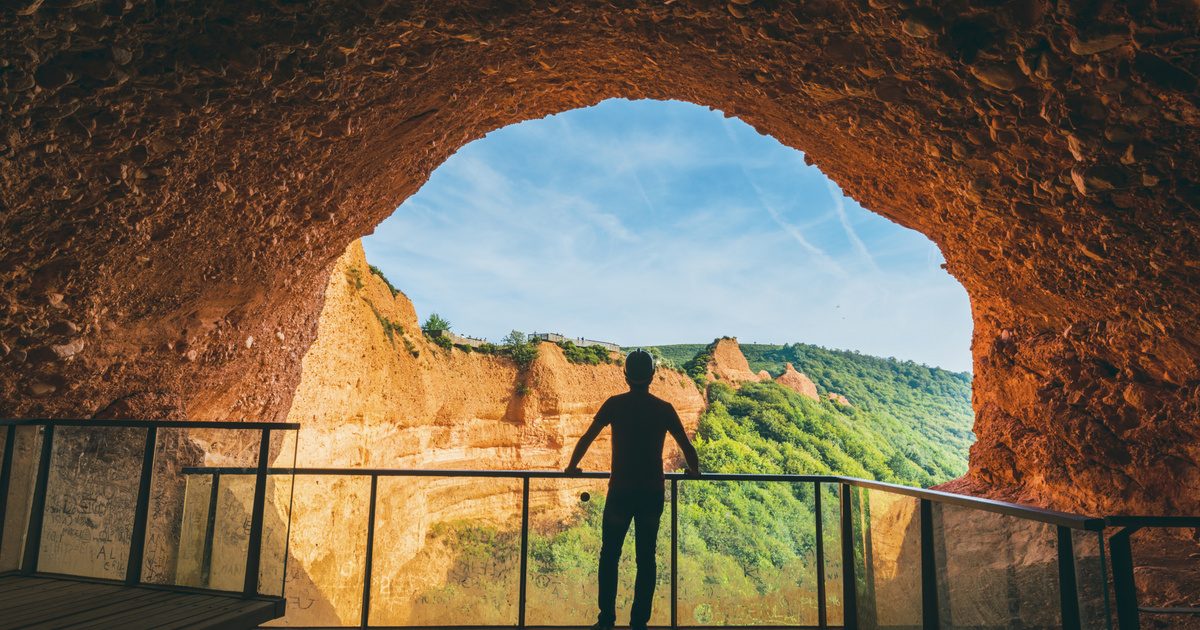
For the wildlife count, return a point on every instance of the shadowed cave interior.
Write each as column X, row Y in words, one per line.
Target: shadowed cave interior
column 179, row 178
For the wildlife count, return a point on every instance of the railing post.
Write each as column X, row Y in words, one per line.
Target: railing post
column 822, row 614
column 849, row 583
column 929, row 594
column 1123, row 583
column 365, row 620
column 254, row 547
column 6, row 475
column 210, row 526
column 137, row 539
column 524, row 551
column 674, row 553
column 37, row 508
column 1068, row 589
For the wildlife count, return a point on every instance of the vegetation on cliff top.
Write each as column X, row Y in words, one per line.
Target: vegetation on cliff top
column 585, row 355
column 376, row 271
column 925, row 411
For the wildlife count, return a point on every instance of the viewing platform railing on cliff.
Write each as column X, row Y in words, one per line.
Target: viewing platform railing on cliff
column 517, row 549
column 129, row 524
column 100, row 526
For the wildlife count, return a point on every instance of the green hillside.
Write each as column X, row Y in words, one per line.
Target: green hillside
column 900, row 410
column 746, row 549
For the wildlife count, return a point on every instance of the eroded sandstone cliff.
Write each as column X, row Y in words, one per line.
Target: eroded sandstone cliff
column 798, row 382
column 375, row 392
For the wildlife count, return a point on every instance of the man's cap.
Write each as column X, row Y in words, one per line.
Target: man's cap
column 639, row 367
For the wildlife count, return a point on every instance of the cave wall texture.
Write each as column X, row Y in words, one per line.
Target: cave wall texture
column 177, row 178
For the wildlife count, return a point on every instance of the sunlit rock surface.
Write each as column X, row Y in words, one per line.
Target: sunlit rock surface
column 177, row 180
column 728, row 365
column 375, row 393
column 798, row 382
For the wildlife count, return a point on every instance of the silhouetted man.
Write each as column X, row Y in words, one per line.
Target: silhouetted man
column 640, row 422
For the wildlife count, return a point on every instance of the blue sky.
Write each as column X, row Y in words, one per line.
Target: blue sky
column 647, row 222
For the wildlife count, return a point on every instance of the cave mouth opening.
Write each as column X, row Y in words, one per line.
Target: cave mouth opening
column 663, row 224
column 620, row 219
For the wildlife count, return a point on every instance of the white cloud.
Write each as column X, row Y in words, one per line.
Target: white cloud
column 639, row 223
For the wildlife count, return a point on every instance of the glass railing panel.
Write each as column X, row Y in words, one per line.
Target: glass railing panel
column 201, row 503
column 446, row 551
column 90, row 497
column 277, row 512
column 177, row 514
column 887, row 530
column 747, row 553
column 327, row 551
column 1091, row 578
column 564, row 552
column 831, row 524
column 26, row 452
column 995, row 571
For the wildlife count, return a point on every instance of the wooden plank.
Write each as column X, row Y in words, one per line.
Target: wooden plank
column 26, row 584
column 249, row 614
column 41, row 602
column 17, row 591
column 10, row 579
column 165, row 611
column 37, row 605
column 65, row 603
column 123, row 600
column 199, row 618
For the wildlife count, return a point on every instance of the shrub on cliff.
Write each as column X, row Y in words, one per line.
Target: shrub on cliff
column 355, row 277
column 520, row 348
column 379, row 272
column 435, row 325
column 697, row 366
column 587, row 355
column 662, row 361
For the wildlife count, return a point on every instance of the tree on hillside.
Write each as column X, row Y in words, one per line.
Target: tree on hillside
column 435, row 324
column 521, row 348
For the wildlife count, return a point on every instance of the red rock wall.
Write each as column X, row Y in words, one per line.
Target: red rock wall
column 176, row 179
column 370, row 399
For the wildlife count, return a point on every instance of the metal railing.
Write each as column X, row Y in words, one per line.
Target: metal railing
column 1063, row 525
column 849, row 501
column 42, row 436
column 1121, row 551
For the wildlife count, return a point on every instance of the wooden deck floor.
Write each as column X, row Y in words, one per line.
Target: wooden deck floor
column 47, row 602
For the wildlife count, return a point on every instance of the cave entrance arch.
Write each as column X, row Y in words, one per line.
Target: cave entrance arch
column 179, row 179
column 551, row 224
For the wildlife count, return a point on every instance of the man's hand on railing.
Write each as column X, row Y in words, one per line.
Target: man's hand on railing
column 572, row 469
column 693, row 472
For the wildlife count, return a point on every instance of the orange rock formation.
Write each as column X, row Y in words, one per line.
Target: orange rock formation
column 369, row 397
column 798, row 382
column 729, row 365
column 374, row 392
column 177, row 180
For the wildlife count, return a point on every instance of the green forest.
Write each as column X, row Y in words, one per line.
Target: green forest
column 747, row 549
column 901, row 409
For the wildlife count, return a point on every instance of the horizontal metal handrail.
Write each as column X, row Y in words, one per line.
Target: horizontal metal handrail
column 145, row 424
column 1052, row 517
column 1185, row 522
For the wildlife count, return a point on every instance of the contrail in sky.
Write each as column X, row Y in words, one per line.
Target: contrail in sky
column 839, row 204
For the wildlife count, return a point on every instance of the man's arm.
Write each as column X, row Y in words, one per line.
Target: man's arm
column 584, row 442
column 689, row 452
